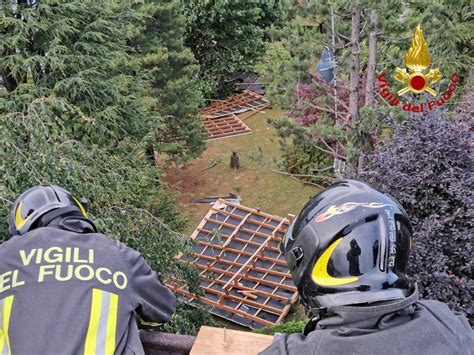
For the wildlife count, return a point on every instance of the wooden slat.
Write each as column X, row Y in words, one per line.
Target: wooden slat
column 266, row 215
column 224, row 307
column 247, row 100
column 254, row 255
column 249, row 267
column 236, row 251
column 218, row 272
column 247, row 277
column 229, row 238
column 240, row 240
column 243, row 300
column 218, row 341
column 224, row 126
column 245, row 288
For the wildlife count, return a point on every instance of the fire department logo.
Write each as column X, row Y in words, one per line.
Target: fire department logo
column 416, row 80
column 417, row 60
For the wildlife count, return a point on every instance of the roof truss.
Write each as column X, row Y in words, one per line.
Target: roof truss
column 244, row 276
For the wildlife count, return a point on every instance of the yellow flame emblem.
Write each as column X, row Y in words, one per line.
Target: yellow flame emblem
column 418, row 59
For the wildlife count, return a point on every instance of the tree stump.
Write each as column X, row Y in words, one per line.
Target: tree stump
column 234, row 161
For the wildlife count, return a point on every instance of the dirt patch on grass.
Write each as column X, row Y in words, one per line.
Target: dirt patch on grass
column 255, row 183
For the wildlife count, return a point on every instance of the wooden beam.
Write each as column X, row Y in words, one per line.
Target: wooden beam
column 253, row 210
column 218, row 341
column 254, row 254
column 215, row 276
column 236, row 251
column 251, row 267
column 247, row 277
column 254, row 221
column 239, row 286
column 254, row 304
column 244, row 241
column 224, row 307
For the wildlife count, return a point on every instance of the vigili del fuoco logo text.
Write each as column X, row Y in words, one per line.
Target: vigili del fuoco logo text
column 415, row 80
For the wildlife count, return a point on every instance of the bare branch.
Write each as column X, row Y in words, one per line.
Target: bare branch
column 329, row 110
column 329, row 152
column 295, row 176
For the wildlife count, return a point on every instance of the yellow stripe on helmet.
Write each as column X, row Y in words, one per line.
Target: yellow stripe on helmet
column 81, row 207
column 320, row 271
column 19, row 221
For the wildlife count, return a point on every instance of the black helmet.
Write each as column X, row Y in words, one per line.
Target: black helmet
column 349, row 245
column 31, row 207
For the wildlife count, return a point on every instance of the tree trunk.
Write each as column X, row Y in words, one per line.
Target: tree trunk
column 150, row 155
column 9, row 82
column 355, row 39
column 372, row 60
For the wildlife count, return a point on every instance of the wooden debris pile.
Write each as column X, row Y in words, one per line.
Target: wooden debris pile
column 223, row 118
column 244, row 276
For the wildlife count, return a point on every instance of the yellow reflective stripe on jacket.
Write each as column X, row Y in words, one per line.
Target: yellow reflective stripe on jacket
column 5, row 311
column 100, row 339
column 111, row 324
column 91, row 338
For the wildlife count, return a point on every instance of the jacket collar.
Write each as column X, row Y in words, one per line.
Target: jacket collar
column 363, row 317
column 76, row 224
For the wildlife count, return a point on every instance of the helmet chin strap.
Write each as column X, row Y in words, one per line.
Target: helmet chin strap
column 314, row 314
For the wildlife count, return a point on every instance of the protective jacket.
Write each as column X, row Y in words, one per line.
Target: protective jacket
column 406, row 326
column 64, row 292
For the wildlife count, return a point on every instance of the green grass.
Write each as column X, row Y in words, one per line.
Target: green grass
column 255, row 183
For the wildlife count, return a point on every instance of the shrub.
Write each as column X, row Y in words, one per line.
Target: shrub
column 287, row 327
column 427, row 167
column 307, row 160
column 302, row 155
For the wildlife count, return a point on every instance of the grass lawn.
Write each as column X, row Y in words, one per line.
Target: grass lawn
column 255, row 183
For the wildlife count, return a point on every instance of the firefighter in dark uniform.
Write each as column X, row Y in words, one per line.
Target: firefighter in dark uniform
column 67, row 289
column 348, row 253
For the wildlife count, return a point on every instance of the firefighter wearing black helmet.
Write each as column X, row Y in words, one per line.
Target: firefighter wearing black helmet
column 67, row 289
column 348, row 253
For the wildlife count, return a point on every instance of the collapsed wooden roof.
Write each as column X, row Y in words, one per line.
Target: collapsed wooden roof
column 223, row 118
column 224, row 127
column 244, row 276
column 239, row 103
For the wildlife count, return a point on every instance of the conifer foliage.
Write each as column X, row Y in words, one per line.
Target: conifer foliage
column 226, row 36
column 288, row 67
column 172, row 72
column 89, row 86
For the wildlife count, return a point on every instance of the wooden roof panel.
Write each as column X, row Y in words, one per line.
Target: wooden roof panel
column 224, row 127
column 239, row 103
column 244, row 276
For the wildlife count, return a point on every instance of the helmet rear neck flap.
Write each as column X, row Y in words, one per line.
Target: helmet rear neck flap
column 349, row 245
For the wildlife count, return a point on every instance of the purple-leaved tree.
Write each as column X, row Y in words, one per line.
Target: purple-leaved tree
column 427, row 166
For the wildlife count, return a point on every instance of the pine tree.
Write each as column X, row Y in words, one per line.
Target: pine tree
column 226, row 36
column 292, row 82
column 172, row 71
column 80, row 108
